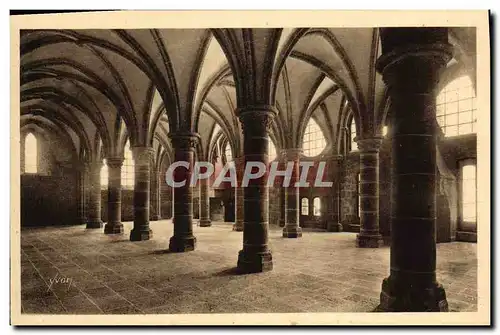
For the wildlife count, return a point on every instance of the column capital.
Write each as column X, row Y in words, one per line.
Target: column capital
column 370, row 144
column 184, row 140
column 142, row 154
column 114, row 162
column 292, row 153
column 256, row 118
column 422, row 61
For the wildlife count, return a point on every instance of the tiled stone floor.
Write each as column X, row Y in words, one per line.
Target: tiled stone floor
column 74, row 270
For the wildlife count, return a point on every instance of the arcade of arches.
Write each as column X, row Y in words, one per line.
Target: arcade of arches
column 391, row 111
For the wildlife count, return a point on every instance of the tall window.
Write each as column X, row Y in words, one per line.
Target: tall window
column 352, row 132
column 456, row 108
column 271, row 151
column 313, row 142
column 128, row 168
column 304, row 206
column 317, row 206
column 468, row 192
column 384, row 131
column 228, row 152
column 104, row 175
column 30, row 154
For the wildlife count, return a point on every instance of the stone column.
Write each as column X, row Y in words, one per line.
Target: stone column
column 82, row 203
column 292, row 228
column 410, row 64
column 114, row 224
column 184, row 147
column 255, row 255
column 333, row 206
column 94, row 200
column 205, row 203
column 239, row 163
column 141, row 231
column 155, row 196
column 369, row 234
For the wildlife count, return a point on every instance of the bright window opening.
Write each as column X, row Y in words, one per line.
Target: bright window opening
column 30, row 154
column 271, row 152
column 128, row 168
column 456, row 108
column 469, row 193
column 313, row 142
column 317, row 206
column 352, row 132
column 304, row 206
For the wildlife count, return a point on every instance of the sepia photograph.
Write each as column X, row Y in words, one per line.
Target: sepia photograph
column 257, row 168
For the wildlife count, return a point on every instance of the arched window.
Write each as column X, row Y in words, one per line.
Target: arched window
column 468, row 191
column 317, row 206
column 313, row 142
column 128, row 168
column 384, row 131
column 352, row 133
column 30, row 154
column 456, row 107
column 228, row 152
column 271, row 151
column 304, row 206
column 104, row 175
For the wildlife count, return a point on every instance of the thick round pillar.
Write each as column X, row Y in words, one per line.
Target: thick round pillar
column 369, row 234
column 255, row 255
column 82, row 203
column 183, row 239
column 410, row 64
column 239, row 198
column 141, row 230
column 205, row 203
column 94, row 197
column 292, row 228
column 114, row 224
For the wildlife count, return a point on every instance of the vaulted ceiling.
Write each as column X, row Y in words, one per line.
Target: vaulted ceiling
column 102, row 87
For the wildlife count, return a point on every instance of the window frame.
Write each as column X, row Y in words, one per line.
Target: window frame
column 315, row 207
column 304, row 205
column 462, row 164
column 449, row 111
column 314, row 136
column 26, row 153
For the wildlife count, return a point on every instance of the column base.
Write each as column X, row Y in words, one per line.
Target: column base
column 94, row 224
column 281, row 222
column 369, row 241
column 205, row 223
column 335, row 227
column 140, row 235
column 155, row 218
column 182, row 243
column 408, row 297
column 113, row 228
column 255, row 262
column 292, row 232
column 238, row 226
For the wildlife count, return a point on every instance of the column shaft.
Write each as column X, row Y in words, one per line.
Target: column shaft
column 333, row 206
column 292, row 228
column 94, row 200
column 114, row 224
column 205, row 203
column 411, row 72
column 369, row 235
column 255, row 255
column 141, row 230
column 183, row 238
column 239, row 197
